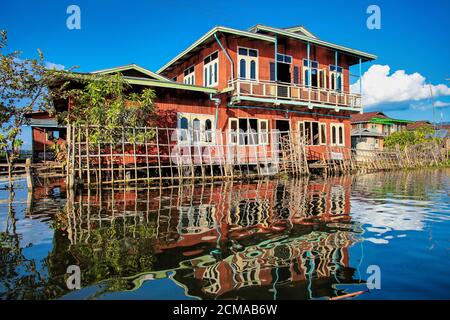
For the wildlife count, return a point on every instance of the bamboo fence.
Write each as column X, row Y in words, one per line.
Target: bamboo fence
column 102, row 156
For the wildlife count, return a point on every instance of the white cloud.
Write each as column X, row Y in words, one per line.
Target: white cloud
column 441, row 104
column 379, row 86
column 56, row 66
column 427, row 105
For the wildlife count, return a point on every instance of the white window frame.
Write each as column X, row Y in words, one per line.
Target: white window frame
column 332, row 75
column 284, row 55
column 302, row 122
column 190, row 77
column 213, row 83
column 337, row 126
column 202, row 117
column 319, row 71
column 233, row 134
column 321, row 137
column 248, row 60
column 258, row 133
column 264, row 134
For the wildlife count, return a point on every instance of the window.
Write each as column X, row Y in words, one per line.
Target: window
column 248, row 63
column 263, row 131
column 337, row 134
column 284, row 58
column 312, row 133
column 296, row 75
column 189, row 76
column 233, row 130
column 211, row 70
column 336, row 78
column 196, row 127
column 272, row 71
column 248, row 131
column 323, row 133
column 318, row 76
column 208, row 130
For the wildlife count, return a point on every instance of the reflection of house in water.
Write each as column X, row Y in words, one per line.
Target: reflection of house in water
column 231, row 240
column 292, row 263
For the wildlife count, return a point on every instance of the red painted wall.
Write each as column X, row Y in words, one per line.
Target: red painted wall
column 266, row 52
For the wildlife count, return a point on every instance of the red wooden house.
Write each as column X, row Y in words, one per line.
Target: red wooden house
column 262, row 79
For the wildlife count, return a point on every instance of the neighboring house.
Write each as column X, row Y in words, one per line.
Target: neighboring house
column 417, row 124
column 372, row 127
column 261, row 79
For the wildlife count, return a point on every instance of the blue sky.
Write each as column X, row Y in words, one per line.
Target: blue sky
column 414, row 36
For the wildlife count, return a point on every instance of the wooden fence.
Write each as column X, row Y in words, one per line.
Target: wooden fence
column 168, row 155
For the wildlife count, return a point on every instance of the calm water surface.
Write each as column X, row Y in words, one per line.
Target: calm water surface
column 274, row 239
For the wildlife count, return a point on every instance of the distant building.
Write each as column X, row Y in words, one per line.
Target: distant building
column 372, row 127
column 417, row 124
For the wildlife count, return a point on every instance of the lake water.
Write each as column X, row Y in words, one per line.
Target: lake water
column 271, row 239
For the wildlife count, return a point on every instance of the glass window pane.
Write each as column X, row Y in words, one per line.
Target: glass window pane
column 210, row 75
column 215, row 72
column 253, row 53
column 242, row 68
column 243, row 51
column 341, row 135
column 296, row 80
column 315, row 133
column 183, row 123
column 288, row 59
column 323, row 133
column 272, row 71
column 253, row 70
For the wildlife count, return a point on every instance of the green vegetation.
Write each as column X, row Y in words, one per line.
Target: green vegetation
column 106, row 102
column 409, row 138
column 24, row 89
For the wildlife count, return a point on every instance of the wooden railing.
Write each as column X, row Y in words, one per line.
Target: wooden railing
column 295, row 92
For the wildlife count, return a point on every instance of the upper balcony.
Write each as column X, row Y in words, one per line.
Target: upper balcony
column 293, row 94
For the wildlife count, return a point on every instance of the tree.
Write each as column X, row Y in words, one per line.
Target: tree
column 24, row 88
column 105, row 103
column 408, row 137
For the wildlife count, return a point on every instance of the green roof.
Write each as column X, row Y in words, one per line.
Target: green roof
column 168, row 84
column 388, row 121
column 131, row 67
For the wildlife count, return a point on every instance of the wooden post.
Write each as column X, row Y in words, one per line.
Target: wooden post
column 87, row 157
column 29, row 174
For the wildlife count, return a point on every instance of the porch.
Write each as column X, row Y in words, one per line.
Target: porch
column 294, row 94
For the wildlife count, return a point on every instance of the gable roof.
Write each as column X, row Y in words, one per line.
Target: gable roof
column 207, row 37
column 301, row 30
column 257, row 32
column 418, row 124
column 365, row 117
column 138, row 71
column 284, row 32
column 365, row 133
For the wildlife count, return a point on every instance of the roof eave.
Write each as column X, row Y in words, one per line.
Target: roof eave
column 358, row 53
column 169, row 84
column 209, row 34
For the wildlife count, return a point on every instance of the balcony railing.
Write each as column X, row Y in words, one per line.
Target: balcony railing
column 295, row 92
